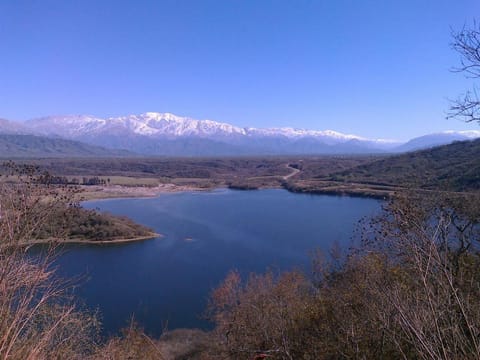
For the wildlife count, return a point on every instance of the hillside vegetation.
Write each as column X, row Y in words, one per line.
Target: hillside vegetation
column 454, row 167
column 81, row 225
column 235, row 172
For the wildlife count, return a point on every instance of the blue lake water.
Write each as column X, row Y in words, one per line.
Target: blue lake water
column 166, row 281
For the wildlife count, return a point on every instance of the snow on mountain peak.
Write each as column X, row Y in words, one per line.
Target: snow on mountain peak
column 160, row 116
column 168, row 125
column 471, row 134
column 338, row 135
column 155, row 124
column 69, row 125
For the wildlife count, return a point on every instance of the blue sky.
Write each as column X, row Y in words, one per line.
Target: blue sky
column 373, row 68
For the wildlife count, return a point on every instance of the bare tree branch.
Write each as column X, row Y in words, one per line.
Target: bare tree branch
column 467, row 44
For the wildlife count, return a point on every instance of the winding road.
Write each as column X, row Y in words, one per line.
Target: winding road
column 294, row 172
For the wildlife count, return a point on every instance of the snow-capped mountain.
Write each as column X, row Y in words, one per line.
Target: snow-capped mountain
column 147, row 124
column 167, row 134
column 154, row 133
column 165, row 124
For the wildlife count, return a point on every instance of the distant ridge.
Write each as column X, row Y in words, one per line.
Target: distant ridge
column 29, row 146
column 432, row 140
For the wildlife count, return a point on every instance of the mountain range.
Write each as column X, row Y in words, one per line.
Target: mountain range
column 167, row 134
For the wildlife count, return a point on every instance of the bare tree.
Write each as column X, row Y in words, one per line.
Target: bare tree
column 433, row 243
column 262, row 317
column 467, row 44
column 38, row 319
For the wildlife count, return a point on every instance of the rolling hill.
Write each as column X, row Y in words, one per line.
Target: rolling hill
column 453, row 167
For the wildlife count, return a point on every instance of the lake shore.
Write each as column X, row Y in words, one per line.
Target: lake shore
column 370, row 191
column 92, row 242
column 318, row 188
column 119, row 191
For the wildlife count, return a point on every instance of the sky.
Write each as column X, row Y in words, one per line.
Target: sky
column 371, row 68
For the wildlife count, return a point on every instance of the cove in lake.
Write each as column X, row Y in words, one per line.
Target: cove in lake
column 166, row 281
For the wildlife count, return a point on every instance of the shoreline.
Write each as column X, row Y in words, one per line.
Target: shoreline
column 379, row 192
column 127, row 192
column 56, row 241
column 130, row 192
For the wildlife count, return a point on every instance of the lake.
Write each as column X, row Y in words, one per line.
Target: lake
column 166, row 281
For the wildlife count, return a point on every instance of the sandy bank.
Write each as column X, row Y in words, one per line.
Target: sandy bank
column 118, row 191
